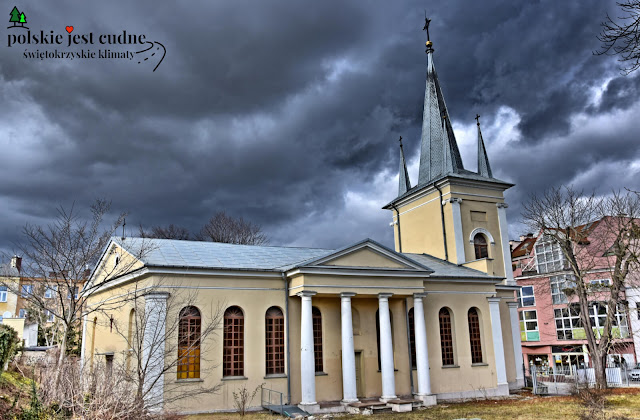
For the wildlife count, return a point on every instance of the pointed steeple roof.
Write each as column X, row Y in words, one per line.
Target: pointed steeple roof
column 439, row 154
column 404, row 183
column 484, row 169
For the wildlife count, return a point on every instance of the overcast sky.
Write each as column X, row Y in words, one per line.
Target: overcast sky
column 287, row 113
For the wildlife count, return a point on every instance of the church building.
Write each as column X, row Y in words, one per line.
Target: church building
column 433, row 319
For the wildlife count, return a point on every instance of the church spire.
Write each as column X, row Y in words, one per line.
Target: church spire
column 404, row 183
column 439, row 154
column 484, row 169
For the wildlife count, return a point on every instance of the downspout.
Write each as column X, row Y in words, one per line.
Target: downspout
column 286, row 327
column 444, row 229
column 399, row 234
column 406, row 315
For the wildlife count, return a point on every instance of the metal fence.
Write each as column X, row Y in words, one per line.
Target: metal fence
column 272, row 400
column 565, row 379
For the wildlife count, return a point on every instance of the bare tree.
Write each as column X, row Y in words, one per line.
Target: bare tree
column 623, row 37
column 592, row 233
column 227, row 229
column 155, row 347
column 59, row 257
column 166, row 232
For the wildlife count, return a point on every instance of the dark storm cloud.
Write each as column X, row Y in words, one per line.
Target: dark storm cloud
column 288, row 113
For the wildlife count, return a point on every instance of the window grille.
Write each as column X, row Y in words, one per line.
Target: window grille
column 233, row 342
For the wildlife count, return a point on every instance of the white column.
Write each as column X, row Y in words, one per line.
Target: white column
column 422, row 351
column 153, row 350
column 386, row 349
column 307, row 361
column 350, row 393
column 457, row 229
column 517, row 343
column 498, row 345
column 84, row 341
column 504, row 238
column 633, row 296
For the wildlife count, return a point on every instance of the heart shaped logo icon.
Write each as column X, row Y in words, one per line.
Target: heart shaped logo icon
column 69, row 29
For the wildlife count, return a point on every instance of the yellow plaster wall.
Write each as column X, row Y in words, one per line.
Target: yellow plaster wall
column 365, row 258
column 421, row 223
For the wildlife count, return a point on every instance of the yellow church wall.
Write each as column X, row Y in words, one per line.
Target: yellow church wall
column 485, row 265
column 421, row 226
column 365, row 258
column 464, row 377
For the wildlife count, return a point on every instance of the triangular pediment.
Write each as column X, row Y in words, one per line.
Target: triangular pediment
column 367, row 254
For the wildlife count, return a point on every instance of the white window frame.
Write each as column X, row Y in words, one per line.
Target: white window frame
column 557, row 284
column 523, row 319
column 3, row 293
column 49, row 291
column 76, row 290
column 50, row 317
column 619, row 320
column 549, row 256
column 26, row 290
column 600, row 283
column 569, row 322
column 521, row 296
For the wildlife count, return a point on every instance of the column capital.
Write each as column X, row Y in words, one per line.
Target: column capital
column 494, row 300
column 452, row 200
column 420, row 295
column 347, row 294
column 306, row 293
column 384, row 295
column 157, row 295
column 512, row 304
column 502, row 205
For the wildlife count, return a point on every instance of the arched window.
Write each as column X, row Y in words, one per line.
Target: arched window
column 189, row 343
column 233, row 342
column 317, row 338
column 480, row 245
column 274, row 340
column 446, row 337
column 378, row 334
column 412, row 338
column 474, row 336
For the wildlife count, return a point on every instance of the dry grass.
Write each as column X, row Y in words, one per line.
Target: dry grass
column 621, row 403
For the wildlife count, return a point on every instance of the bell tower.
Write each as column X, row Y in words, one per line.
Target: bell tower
column 452, row 213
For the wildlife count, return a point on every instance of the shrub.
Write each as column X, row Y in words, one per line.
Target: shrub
column 8, row 345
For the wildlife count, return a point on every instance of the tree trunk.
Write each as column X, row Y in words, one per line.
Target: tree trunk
column 61, row 357
column 599, row 368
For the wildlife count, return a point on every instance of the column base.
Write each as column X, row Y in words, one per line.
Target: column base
column 427, row 399
column 502, row 389
column 349, row 401
column 387, row 398
column 517, row 384
column 312, row 408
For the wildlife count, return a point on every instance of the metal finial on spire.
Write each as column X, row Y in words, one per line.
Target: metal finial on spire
column 427, row 21
column 478, row 119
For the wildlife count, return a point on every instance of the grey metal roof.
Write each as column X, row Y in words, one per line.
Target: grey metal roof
column 444, row 268
column 194, row 254
column 7, row 271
